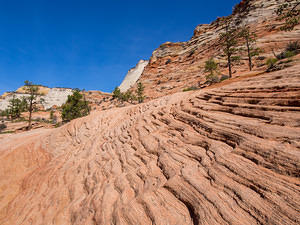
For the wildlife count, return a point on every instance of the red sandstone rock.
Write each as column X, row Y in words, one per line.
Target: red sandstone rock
column 226, row 155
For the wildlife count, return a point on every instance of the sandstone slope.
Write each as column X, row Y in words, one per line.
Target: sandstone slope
column 228, row 155
column 175, row 66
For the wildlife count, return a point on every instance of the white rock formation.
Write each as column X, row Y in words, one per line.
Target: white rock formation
column 5, row 102
column 133, row 75
column 55, row 96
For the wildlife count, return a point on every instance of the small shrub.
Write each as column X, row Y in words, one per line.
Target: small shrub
column 271, row 62
column 75, row 107
column 2, row 126
column 192, row 88
column 293, row 47
column 224, row 77
column 261, row 58
column 117, row 93
column 289, row 54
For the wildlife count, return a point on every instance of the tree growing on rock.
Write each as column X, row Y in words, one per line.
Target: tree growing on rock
column 116, row 93
column 14, row 108
column 75, row 107
column 32, row 90
column 228, row 41
column 211, row 67
column 249, row 39
column 140, row 92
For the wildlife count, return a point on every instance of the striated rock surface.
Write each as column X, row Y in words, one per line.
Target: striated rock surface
column 133, row 75
column 176, row 66
column 224, row 155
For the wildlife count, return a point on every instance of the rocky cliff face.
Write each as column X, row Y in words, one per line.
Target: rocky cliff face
column 133, row 75
column 175, row 66
column 225, row 155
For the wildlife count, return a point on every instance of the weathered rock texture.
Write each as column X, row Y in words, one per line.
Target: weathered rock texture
column 175, row 66
column 133, row 75
column 51, row 96
column 228, row 155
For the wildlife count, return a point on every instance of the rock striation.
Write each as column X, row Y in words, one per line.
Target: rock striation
column 176, row 66
column 224, row 155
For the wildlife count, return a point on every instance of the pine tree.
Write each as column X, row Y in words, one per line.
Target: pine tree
column 211, row 67
column 32, row 90
column 75, row 106
column 250, row 39
column 14, row 108
column 140, row 92
column 116, row 93
column 228, row 41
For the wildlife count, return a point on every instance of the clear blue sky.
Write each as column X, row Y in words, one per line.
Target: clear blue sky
column 91, row 44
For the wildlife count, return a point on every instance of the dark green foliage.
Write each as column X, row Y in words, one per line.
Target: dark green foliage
column 211, row 66
column 117, row 93
column 224, row 77
column 128, row 96
column 293, row 47
column 211, row 78
column 5, row 113
column 51, row 114
column 53, row 117
column 190, row 89
column 288, row 54
column 32, row 90
column 16, row 107
column 74, row 107
column 228, row 42
column 250, row 39
column 290, row 13
column 140, row 92
column 271, row 63
column 2, row 126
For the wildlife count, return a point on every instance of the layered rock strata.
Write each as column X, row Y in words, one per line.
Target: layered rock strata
column 226, row 155
column 176, row 66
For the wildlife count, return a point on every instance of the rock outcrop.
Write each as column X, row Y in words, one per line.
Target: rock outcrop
column 225, row 155
column 176, row 66
column 133, row 75
column 48, row 97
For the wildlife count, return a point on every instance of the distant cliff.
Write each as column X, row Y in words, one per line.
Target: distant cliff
column 48, row 97
column 133, row 75
column 175, row 66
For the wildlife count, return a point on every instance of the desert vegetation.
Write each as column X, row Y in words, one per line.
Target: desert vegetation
column 76, row 106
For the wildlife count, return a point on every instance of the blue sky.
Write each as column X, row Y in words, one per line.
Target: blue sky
column 91, row 44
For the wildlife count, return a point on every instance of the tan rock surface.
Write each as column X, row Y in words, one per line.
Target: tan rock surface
column 176, row 66
column 228, row 155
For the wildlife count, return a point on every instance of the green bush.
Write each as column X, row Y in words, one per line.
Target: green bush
column 116, row 93
column 293, row 47
column 289, row 54
column 211, row 78
column 2, row 126
column 75, row 107
column 224, row 77
column 271, row 62
column 190, row 89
